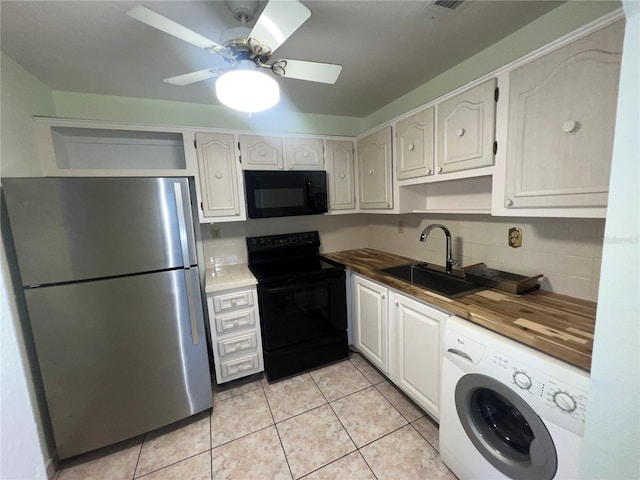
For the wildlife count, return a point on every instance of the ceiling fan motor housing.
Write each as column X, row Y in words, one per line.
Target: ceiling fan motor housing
column 243, row 9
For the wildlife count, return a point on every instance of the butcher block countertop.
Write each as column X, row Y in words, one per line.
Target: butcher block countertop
column 555, row 324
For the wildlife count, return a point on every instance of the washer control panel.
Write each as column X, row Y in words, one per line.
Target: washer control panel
column 556, row 400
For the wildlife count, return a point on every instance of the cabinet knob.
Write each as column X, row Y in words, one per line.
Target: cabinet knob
column 460, row 132
column 371, row 172
column 428, row 171
column 218, row 174
column 571, row 126
column 508, row 202
column 305, row 154
column 234, row 302
column 396, row 303
column 341, row 175
column 383, row 296
column 411, row 147
column 262, row 153
column 440, row 169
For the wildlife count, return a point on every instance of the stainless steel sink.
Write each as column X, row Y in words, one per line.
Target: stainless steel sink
column 449, row 285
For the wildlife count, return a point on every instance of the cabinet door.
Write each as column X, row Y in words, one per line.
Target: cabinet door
column 466, row 129
column 419, row 329
column 370, row 306
column 303, row 154
column 414, row 145
column 562, row 115
column 261, row 153
column 374, row 170
column 341, row 169
column 218, row 177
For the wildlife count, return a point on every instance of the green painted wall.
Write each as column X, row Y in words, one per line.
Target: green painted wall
column 22, row 97
column 558, row 22
column 159, row 112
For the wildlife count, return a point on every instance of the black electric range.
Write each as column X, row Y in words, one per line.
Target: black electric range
column 302, row 303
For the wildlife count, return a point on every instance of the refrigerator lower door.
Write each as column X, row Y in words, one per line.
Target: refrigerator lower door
column 120, row 357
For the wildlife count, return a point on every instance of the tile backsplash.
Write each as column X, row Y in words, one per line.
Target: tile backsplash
column 337, row 232
column 567, row 251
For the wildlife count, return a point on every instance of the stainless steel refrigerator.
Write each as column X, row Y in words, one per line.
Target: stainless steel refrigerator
column 112, row 288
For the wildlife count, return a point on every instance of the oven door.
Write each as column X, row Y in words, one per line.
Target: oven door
column 302, row 310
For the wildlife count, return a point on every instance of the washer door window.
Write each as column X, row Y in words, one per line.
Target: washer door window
column 505, row 429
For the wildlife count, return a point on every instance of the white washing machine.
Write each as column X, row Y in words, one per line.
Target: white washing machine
column 508, row 411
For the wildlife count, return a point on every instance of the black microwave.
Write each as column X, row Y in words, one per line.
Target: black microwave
column 282, row 194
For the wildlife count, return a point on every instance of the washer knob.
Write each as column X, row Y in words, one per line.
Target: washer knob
column 522, row 380
column 565, row 402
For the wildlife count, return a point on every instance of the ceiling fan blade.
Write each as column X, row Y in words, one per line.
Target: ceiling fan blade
column 193, row 77
column 156, row 20
column 279, row 19
column 312, row 71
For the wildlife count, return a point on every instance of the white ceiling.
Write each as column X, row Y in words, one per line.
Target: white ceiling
column 387, row 48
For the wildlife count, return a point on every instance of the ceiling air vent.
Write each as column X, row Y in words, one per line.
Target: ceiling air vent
column 450, row 4
column 436, row 9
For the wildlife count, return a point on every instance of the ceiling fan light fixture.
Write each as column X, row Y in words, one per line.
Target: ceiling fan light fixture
column 247, row 91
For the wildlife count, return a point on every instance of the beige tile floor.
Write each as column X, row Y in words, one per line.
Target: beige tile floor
column 342, row 421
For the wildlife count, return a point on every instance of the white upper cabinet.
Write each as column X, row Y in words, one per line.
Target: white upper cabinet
column 303, row 153
column 374, row 170
column 466, row 129
column 562, row 112
column 221, row 192
column 261, row 153
column 281, row 153
column 414, row 146
column 340, row 175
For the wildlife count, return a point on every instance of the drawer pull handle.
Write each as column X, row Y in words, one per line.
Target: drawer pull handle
column 234, row 302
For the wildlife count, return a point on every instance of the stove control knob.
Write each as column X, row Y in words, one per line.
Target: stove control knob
column 522, row 380
column 565, row 401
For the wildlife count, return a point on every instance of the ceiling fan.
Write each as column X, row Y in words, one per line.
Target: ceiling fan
column 248, row 50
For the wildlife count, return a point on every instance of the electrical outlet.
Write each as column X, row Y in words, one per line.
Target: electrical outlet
column 400, row 226
column 515, row 237
column 215, row 231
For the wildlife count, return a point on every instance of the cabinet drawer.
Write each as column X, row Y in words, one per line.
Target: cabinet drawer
column 237, row 344
column 229, row 301
column 241, row 366
column 235, row 321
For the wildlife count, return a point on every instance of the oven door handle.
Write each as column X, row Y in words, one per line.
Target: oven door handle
column 297, row 284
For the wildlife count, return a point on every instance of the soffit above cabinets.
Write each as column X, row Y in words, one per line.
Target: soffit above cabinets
column 386, row 47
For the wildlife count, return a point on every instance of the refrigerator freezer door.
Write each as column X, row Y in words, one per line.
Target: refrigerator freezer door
column 120, row 357
column 71, row 229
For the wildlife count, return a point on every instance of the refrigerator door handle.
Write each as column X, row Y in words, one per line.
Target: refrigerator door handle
column 182, row 224
column 191, row 278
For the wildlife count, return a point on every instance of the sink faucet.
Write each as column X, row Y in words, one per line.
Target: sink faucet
column 449, row 261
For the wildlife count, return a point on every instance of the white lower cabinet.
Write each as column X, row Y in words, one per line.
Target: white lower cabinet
column 235, row 333
column 370, row 321
column 402, row 337
column 416, row 339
